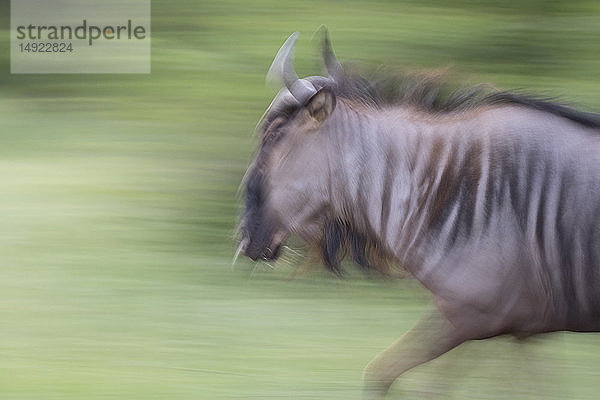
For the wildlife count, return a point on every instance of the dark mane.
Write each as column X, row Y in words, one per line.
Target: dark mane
column 431, row 93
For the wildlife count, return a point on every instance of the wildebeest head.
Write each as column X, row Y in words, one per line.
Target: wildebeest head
column 287, row 184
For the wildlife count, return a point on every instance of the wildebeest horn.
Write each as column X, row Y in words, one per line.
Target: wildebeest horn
column 334, row 68
column 283, row 69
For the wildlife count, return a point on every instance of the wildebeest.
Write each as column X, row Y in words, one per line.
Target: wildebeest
column 490, row 199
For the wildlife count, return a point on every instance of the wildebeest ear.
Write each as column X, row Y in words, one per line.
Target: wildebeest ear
column 321, row 104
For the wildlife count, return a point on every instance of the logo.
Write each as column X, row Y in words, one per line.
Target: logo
column 83, row 31
column 80, row 36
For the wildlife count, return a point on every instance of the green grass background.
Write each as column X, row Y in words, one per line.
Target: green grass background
column 118, row 202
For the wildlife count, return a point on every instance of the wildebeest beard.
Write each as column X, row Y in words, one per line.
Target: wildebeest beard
column 340, row 238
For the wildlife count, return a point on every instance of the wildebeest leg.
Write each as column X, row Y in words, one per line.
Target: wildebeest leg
column 433, row 336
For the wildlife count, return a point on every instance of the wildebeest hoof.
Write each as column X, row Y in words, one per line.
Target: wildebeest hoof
column 375, row 384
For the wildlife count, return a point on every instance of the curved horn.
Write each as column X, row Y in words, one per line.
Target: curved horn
column 282, row 69
column 334, row 68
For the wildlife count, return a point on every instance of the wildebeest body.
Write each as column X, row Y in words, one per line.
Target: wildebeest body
column 497, row 208
column 491, row 201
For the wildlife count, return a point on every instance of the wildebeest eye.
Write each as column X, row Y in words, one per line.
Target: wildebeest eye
column 277, row 119
column 273, row 130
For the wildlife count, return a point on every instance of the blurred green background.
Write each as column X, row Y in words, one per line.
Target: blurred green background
column 118, row 202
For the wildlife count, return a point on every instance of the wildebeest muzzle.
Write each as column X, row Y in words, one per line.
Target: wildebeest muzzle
column 258, row 240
